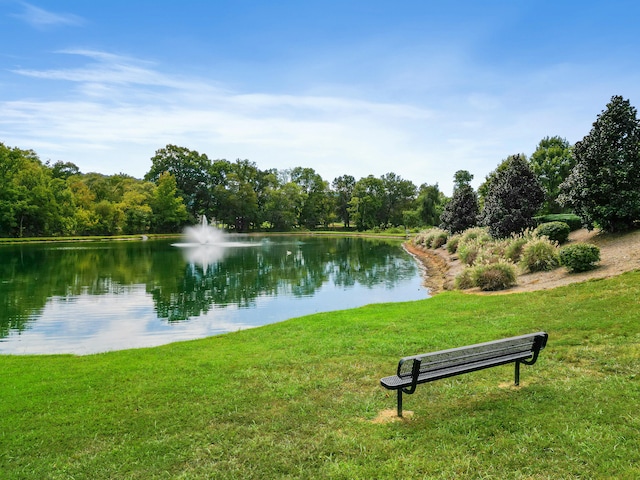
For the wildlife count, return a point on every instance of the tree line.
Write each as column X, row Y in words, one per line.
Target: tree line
column 43, row 199
column 596, row 178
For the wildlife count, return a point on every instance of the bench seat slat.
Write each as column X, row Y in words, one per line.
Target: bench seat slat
column 394, row 382
column 433, row 361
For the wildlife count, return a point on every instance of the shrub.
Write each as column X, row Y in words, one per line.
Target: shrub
column 420, row 238
column 439, row 238
column 579, row 257
column 432, row 238
column 477, row 233
column 555, row 231
column 495, row 276
column 469, row 251
column 571, row 219
column 464, row 280
column 539, row 255
column 513, row 252
column 452, row 243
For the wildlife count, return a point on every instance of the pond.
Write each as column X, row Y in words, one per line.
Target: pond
column 92, row 297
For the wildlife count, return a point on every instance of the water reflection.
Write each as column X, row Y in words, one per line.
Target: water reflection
column 114, row 294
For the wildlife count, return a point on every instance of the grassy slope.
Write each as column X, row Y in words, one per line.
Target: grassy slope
column 297, row 399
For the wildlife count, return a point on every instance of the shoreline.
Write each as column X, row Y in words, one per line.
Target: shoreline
column 437, row 276
column 619, row 253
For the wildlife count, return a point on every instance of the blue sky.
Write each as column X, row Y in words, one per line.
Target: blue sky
column 418, row 88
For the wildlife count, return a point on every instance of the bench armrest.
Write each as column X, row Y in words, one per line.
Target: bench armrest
column 415, row 373
column 538, row 344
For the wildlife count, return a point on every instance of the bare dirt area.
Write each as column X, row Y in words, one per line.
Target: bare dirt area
column 619, row 253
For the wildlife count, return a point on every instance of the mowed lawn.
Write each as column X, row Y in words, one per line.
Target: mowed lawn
column 301, row 399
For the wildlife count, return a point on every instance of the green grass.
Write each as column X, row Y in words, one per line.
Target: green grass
column 298, row 399
column 83, row 238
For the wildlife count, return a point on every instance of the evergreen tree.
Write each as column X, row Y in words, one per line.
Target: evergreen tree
column 552, row 163
column 462, row 211
column 513, row 198
column 604, row 187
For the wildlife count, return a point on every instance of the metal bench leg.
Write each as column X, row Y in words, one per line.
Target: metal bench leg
column 400, row 402
column 517, row 373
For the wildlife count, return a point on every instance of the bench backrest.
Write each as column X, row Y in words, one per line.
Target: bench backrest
column 522, row 346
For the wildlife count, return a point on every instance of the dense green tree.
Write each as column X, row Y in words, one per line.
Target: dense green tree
column 316, row 208
column 283, row 207
column 461, row 212
column 430, row 204
column 64, row 170
column 367, row 202
column 514, row 196
column 552, row 162
column 192, row 172
column 238, row 197
column 604, row 187
column 399, row 196
column 168, row 208
column 32, row 202
column 13, row 195
column 343, row 191
column 462, row 178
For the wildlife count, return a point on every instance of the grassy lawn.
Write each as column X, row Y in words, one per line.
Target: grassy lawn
column 298, row 399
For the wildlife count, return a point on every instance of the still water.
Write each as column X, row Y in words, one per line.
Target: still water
column 84, row 298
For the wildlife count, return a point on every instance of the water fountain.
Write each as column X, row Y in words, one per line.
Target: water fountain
column 206, row 244
column 204, row 234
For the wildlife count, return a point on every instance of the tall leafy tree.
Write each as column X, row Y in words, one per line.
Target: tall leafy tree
column 192, row 173
column 316, row 207
column 283, row 206
column 400, row 195
column 462, row 178
column 430, row 204
column 552, row 162
column 343, row 190
column 462, row 211
column 367, row 203
column 604, row 187
column 169, row 210
column 514, row 196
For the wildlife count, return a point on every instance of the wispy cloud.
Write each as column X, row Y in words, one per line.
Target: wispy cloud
column 112, row 112
column 123, row 103
column 40, row 18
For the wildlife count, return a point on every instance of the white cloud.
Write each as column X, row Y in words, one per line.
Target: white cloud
column 40, row 18
column 116, row 111
column 123, row 109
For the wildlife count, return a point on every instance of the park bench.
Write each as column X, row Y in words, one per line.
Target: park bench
column 428, row 367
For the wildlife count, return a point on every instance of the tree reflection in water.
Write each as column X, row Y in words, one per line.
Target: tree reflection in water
column 31, row 275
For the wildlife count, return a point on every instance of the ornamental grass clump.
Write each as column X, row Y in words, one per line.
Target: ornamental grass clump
column 513, row 252
column 452, row 243
column 471, row 243
column 481, row 234
column 468, row 251
column 432, row 238
column 439, row 238
column 464, row 280
column 495, row 276
column 579, row 257
column 539, row 255
column 554, row 231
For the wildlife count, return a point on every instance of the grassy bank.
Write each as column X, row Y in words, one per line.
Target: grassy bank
column 83, row 238
column 299, row 399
